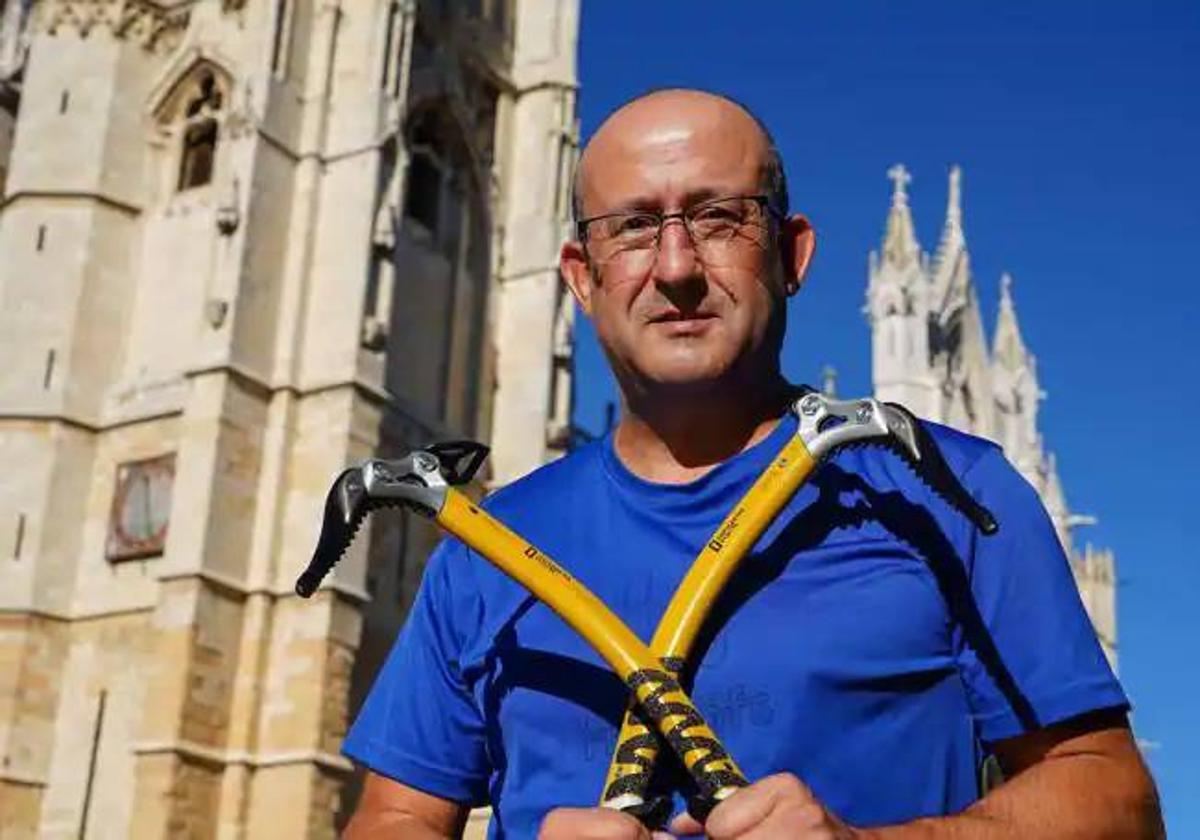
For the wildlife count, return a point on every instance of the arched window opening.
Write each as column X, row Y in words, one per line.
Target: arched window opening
column 423, row 202
column 439, row 178
column 200, row 130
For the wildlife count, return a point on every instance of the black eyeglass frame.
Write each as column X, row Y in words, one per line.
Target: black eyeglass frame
column 763, row 201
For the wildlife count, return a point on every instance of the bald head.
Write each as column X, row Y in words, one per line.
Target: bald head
column 669, row 122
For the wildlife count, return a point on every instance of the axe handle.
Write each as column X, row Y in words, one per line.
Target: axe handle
column 635, row 754
column 657, row 692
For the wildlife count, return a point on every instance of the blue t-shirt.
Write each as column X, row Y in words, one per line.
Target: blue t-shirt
column 870, row 644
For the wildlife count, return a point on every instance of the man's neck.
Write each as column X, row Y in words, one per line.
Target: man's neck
column 679, row 439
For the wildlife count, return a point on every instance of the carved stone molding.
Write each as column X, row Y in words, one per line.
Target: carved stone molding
column 156, row 26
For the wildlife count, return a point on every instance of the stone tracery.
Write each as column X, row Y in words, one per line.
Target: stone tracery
column 155, row 26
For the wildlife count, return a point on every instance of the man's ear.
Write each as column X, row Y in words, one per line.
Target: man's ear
column 797, row 243
column 573, row 264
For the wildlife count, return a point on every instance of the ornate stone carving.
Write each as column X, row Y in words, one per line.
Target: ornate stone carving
column 155, row 26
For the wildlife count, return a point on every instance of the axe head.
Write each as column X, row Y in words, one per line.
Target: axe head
column 827, row 424
column 417, row 481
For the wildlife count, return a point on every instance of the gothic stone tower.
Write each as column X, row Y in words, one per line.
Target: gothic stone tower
column 929, row 351
column 243, row 243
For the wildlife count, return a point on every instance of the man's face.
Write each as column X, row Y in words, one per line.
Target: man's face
column 685, row 317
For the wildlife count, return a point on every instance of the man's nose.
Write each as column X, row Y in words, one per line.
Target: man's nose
column 676, row 260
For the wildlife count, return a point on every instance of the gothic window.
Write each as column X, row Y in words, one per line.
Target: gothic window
column 200, row 130
column 199, row 147
column 438, row 176
column 445, row 236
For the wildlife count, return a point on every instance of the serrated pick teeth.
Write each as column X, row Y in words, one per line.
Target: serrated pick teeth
column 932, row 471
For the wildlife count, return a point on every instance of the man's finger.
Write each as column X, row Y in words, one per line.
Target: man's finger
column 685, row 824
column 749, row 807
column 592, row 824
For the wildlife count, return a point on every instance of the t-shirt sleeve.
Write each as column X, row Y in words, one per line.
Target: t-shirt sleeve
column 1028, row 653
column 420, row 724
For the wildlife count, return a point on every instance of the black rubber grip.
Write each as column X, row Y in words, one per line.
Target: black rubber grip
column 709, row 781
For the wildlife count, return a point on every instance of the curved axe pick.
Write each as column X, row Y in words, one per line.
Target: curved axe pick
column 908, row 438
column 827, row 423
column 418, row 481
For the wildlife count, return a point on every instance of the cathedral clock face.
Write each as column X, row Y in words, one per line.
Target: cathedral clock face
column 141, row 508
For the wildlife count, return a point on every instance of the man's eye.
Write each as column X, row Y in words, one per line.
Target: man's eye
column 636, row 224
column 715, row 213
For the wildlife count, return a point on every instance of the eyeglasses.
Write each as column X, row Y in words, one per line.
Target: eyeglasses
column 721, row 230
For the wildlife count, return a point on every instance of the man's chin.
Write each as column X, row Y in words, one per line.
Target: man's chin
column 685, row 379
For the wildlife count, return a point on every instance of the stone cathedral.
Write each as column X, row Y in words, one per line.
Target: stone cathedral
column 242, row 244
column 929, row 352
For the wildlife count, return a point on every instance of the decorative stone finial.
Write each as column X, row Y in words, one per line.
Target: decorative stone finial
column 829, row 381
column 900, row 180
column 954, row 198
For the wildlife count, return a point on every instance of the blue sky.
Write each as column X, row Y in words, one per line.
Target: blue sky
column 1078, row 129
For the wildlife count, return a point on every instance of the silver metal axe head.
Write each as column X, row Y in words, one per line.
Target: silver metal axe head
column 417, row 481
column 827, row 424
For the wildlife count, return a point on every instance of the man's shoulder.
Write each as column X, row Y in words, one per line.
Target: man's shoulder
column 964, row 452
column 977, row 463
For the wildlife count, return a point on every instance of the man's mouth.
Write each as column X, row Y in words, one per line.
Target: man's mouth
column 683, row 324
column 680, row 317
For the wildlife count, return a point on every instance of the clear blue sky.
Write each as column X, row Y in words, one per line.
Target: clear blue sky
column 1077, row 125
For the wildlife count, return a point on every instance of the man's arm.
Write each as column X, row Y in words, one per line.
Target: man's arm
column 389, row 809
column 1083, row 778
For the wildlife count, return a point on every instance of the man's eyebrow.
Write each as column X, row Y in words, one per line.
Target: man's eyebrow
column 647, row 204
column 704, row 194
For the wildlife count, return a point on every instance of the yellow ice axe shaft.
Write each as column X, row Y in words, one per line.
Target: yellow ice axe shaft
column 637, row 750
column 656, row 691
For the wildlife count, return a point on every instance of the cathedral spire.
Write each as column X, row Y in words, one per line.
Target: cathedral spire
column 954, row 198
column 951, row 262
column 1008, row 347
column 900, row 181
column 1006, row 301
column 899, row 239
column 953, row 237
column 897, row 308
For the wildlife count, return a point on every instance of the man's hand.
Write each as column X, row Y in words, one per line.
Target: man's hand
column 1080, row 778
column 594, row 824
column 776, row 806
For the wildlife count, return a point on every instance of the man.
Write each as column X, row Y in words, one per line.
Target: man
column 874, row 645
